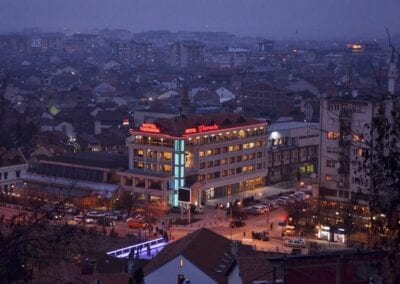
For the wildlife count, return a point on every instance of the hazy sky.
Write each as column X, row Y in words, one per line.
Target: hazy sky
column 276, row 18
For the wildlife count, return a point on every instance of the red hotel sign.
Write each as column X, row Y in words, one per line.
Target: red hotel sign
column 149, row 127
column 201, row 128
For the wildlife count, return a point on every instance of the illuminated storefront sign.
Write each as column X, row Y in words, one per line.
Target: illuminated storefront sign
column 149, row 127
column 201, row 128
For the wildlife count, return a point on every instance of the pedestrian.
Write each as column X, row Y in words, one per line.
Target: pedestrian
column 272, row 225
column 244, row 234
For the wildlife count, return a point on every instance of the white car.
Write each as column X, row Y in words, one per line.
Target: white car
column 283, row 200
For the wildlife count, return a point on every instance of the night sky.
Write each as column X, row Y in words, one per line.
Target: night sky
column 274, row 18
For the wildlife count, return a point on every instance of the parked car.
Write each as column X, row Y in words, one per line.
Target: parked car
column 198, row 210
column 135, row 223
column 92, row 214
column 296, row 243
column 283, row 200
column 112, row 216
column 263, row 236
column 78, row 218
column 253, row 210
column 89, row 220
column 261, row 207
column 289, row 231
column 237, row 224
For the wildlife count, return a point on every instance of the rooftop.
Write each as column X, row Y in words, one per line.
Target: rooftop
column 176, row 126
column 207, row 250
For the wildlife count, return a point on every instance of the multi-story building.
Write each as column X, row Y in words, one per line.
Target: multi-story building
column 13, row 166
column 132, row 52
column 187, row 53
column 47, row 41
column 214, row 155
column 344, row 127
column 263, row 98
column 293, row 149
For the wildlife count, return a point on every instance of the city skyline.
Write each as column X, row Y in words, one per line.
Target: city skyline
column 278, row 20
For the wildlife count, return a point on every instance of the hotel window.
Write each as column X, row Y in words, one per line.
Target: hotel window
column 231, row 160
column 231, row 172
column 167, row 156
column 238, row 159
column 332, row 135
column 201, row 153
column 209, row 153
column 231, row 148
column 209, row 176
column 238, row 170
column 329, row 178
column 138, row 165
column 251, row 145
column 217, row 151
column 224, row 149
column 259, row 154
column 259, row 166
column 202, row 165
column 245, row 157
column 167, row 168
column 224, row 173
column 217, row 163
column 138, row 152
column 139, row 182
column 224, row 161
column 202, row 177
column 209, row 164
column 217, row 174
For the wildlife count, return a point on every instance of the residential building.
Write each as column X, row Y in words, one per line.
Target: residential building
column 344, row 121
column 293, row 149
column 13, row 166
column 187, row 53
column 132, row 52
column 214, row 154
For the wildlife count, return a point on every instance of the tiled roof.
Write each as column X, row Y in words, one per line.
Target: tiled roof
column 11, row 157
column 208, row 251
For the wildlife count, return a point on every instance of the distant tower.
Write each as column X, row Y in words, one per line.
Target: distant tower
column 392, row 76
column 185, row 101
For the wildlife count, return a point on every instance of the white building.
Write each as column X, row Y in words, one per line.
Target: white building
column 344, row 131
column 13, row 166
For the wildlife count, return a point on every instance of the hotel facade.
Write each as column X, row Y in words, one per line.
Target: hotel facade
column 214, row 155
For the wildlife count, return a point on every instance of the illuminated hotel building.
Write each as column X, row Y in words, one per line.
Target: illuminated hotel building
column 214, row 155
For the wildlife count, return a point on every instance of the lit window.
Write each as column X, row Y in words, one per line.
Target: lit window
column 328, row 178
column 332, row 135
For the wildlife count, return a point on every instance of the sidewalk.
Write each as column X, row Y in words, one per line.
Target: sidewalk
column 258, row 193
